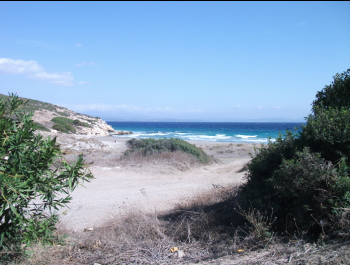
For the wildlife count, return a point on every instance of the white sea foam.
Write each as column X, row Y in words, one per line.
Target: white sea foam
column 159, row 133
column 218, row 137
column 246, row 136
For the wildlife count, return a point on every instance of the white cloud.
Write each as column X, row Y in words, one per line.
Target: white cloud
column 83, row 83
column 35, row 71
column 10, row 66
column 77, row 45
column 63, row 79
column 85, row 63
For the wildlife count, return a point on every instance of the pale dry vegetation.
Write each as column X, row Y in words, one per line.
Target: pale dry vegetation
column 206, row 228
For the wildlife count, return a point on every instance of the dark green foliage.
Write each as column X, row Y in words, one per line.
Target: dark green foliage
column 328, row 133
column 65, row 125
column 40, row 127
column 265, row 161
column 336, row 95
column 328, row 127
column 34, row 180
column 150, row 146
column 305, row 178
column 300, row 187
column 70, row 128
column 62, row 120
column 60, row 128
column 80, row 123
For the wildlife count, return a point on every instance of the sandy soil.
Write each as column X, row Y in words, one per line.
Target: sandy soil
column 151, row 187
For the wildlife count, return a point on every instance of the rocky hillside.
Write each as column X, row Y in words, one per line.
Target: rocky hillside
column 56, row 119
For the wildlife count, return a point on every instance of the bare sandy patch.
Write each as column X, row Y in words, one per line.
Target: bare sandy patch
column 146, row 186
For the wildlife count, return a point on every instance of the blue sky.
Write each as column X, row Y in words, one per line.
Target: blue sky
column 209, row 61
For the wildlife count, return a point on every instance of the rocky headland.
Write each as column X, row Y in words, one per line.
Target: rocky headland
column 57, row 119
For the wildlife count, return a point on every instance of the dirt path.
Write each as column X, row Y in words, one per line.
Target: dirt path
column 149, row 187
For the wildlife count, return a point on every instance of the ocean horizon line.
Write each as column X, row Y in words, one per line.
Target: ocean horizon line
column 239, row 132
column 205, row 121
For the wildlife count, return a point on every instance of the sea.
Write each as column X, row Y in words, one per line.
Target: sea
column 235, row 132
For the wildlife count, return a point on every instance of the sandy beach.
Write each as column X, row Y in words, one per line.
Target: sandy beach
column 156, row 187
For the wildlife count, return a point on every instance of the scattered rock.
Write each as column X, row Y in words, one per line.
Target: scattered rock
column 181, row 254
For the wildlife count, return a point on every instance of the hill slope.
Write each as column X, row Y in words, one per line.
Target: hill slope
column 57, row 119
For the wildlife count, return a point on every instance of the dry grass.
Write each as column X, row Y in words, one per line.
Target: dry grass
column 178, row 159
column 205, row 228
column 231, row 150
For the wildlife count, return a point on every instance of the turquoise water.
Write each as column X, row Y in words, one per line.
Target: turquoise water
column 239, row 132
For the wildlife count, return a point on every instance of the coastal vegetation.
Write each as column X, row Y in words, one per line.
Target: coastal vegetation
column 35, row 180
column 61, row 122
column 67, row 125
column 294, row 204
column 150, row 146
column 40, row 127
column 304, row 179
column 33, row 105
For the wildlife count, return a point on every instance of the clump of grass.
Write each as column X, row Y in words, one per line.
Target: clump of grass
column 150, row 146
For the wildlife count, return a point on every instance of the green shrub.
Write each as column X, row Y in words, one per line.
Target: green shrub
column 328, row 132
column 34, row 180
column 336, row 95
column 40, row 127
column 304, row 178
column 265, row 161
column 62, row 120
column 304, row 188
column 80, row 123
column 70, row 128
column 60, row 128
column 151, row 146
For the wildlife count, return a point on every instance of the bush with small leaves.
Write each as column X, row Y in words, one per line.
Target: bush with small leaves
column 304, row 178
